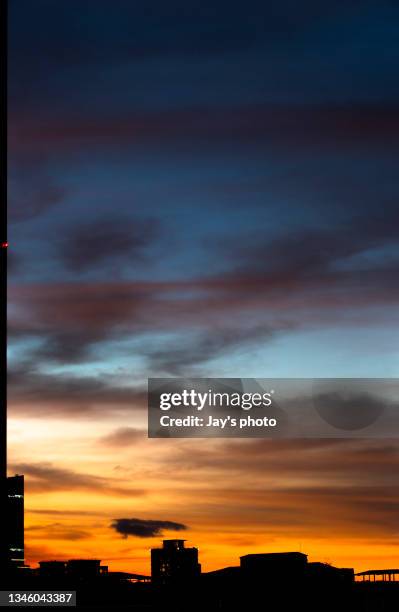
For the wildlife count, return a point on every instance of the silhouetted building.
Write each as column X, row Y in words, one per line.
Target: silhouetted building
column 15, row 521
column 228, row 573
column 75, row 569
column 173, row 562
column 328, row 574
column 274, row 566
column 52, row 569
column 128, row 577
column 85, row 569
column 383, row 575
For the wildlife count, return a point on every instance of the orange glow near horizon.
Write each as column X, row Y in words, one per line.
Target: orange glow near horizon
column 235, row 497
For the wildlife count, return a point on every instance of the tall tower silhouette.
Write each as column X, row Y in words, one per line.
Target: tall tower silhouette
column 174, row 563
column 15, row 521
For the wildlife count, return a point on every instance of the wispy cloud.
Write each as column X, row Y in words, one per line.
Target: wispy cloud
column 45, row 477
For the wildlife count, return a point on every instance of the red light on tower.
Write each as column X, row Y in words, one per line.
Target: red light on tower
column 4, row 245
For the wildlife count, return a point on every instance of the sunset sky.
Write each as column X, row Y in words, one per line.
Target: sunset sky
column 199, row 189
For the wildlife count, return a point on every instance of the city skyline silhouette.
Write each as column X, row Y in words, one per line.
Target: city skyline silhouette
column 176, row 574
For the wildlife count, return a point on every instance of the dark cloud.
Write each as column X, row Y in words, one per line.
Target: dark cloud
column 69, row 318
column 311, row 255
column 35, row 392
column 45, row 477
column 106, row 239
column 144, row 528
column 199, row 348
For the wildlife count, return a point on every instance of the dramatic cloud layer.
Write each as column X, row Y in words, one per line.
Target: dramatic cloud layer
column 105, row 239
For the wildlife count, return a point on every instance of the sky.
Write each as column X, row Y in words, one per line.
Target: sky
column 199, row 189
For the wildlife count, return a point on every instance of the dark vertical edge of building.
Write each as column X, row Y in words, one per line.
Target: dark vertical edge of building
column 3, row 264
